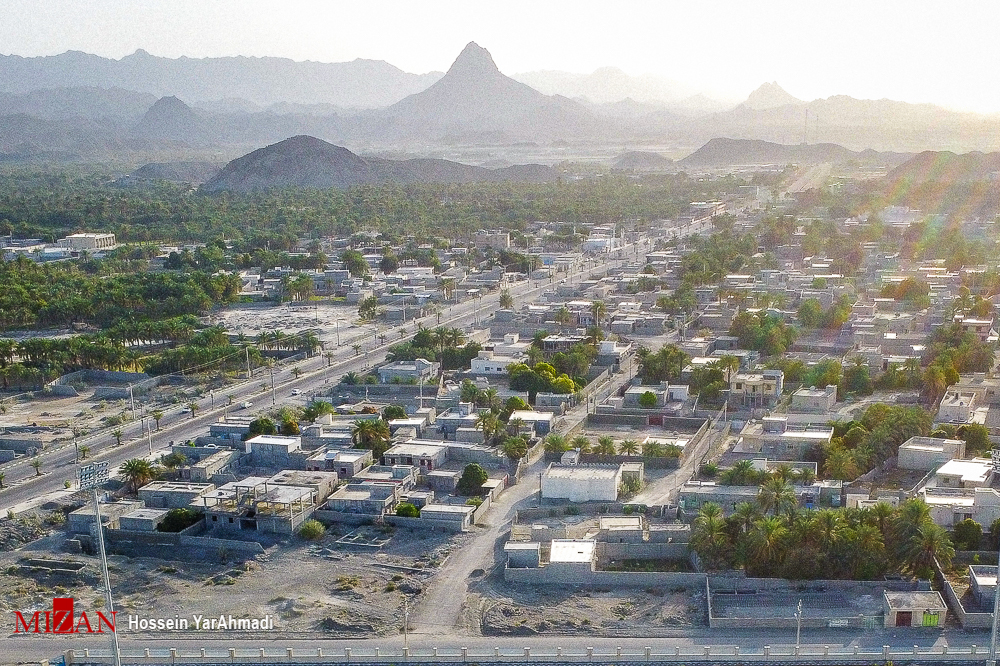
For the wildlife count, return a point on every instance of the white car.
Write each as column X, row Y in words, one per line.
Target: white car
column 247, row 405
column 296, row 391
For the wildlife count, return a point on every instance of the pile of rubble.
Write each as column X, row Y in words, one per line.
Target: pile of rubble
column 15, row 532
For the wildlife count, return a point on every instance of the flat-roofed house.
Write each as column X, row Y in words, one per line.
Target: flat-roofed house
column 914, row 609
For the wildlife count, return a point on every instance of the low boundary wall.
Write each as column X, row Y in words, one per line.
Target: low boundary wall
column 549, row 575
column 366, row 653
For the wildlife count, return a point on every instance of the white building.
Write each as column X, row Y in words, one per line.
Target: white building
column 926, row 453
column 957, row 406
column 89, row 242
column 581, row 483
column 491, row 363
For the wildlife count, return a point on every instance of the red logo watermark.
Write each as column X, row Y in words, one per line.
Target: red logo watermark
column 62, row 620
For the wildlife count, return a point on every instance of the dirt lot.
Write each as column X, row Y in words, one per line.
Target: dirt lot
column 524, row 610
column 306, row 587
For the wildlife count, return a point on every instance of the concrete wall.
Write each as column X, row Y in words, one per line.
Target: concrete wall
column 641, row 551
column 549, row 576
column 170, row 545
column 328, row 517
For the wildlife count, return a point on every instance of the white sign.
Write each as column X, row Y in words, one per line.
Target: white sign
column 94, row 475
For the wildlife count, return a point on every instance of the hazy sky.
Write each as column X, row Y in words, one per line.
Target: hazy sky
column 917, row 50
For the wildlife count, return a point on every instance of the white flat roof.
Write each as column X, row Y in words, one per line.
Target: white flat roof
column 572, row 550
column 578, row 472
column 975, row 470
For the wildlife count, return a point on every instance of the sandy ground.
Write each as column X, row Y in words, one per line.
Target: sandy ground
column 325, row 588
column 524, row 610
column 306, row 587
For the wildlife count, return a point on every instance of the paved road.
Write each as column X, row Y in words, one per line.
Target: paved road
column 24, row 489
column 439, row 612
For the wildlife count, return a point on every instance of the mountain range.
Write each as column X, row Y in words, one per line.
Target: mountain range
column 262, row 81
column 144, row 108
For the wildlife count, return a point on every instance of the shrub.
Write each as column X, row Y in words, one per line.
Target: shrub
column 178, row 519
column 407, row 510
column 312, row 530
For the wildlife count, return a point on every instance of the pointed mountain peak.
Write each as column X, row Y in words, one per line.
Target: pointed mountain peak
column 473, row 59
column 170, row 102
column 770, row 96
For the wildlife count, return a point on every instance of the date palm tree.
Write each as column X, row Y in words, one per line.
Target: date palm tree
column 628, row 447
column 581, row 442
column 117, row 434
column 775, row 496
column 605, row 445
column 136, row 472
column 158, row 414
column 767, row 543
column 372, row 434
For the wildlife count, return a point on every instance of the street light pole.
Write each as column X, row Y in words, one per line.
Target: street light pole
column 92, row 476
column 798, row 625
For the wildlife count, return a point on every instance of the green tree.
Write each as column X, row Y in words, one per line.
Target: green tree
column 506, row 300
column 776, row 496
column 368, row 308
column 37, row 465
column 514, row 448
column 117, row 433
column 472, row 479
column 136, row 472
column 157, row 415
column 928, row 544
column 976, row 437
column 968, row 534
column 605, row 445
column 290, row 427
column 372, row 434
column 261, row 426
column 647, row 400
column 556, row 444
column 355, row 263
column 392, row 412
column 628, row 447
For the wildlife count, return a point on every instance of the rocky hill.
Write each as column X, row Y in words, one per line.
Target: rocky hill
column 728, row 152
column 305, row 161
column 639, row 160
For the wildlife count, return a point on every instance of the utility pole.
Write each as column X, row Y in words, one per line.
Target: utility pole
column 798, row 625
column 406, row 622
column 91, row 477
column 247, row 350
column 131, row 397
column 270, row 367
column 992, row 661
